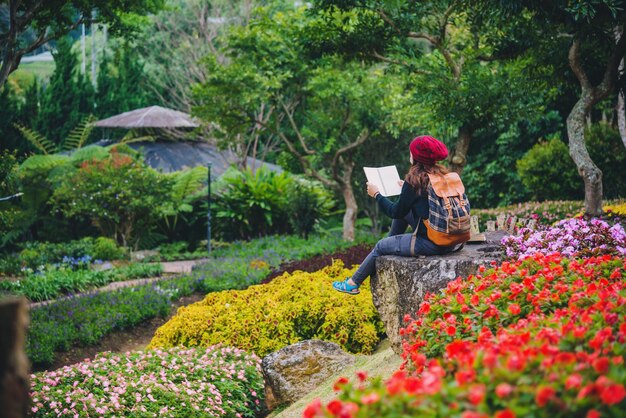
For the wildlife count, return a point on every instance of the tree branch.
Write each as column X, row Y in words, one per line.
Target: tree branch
column 365, row 133
column 576, row 66
column 289, row 114
column 388, row 20
column 306, row 164
column 421, row 35
column 612, row 66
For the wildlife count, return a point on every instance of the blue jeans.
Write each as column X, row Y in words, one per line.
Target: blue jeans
column 397, row 243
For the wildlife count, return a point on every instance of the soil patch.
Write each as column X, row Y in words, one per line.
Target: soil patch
column 132, row 339
column 350, row 257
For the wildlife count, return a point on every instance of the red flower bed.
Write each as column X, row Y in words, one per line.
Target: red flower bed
column 543, row 337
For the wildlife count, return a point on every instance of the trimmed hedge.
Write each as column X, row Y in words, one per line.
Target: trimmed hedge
column 292, row 308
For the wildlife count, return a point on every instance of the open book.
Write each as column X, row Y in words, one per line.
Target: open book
column 386, row 178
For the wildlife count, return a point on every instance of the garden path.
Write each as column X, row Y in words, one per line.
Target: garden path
column 170, row 268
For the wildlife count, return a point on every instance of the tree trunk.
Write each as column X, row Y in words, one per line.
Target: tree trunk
column 14, row 377
column 458, row 158
column 349, row 217
column 621, row 116
column 620, row 108
column 591, row 174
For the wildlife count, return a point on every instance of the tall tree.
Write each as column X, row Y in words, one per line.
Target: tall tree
column 122, row 82
column 9, row 112
column 323, row 110
column 67, row 99
column 460, row 84
column 53, row 19
column 594, row 57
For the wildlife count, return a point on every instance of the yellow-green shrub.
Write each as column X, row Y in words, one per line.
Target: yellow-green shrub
column 265, row 318
column 616, row 209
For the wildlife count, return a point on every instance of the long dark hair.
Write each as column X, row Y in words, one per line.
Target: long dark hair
column 417, row 176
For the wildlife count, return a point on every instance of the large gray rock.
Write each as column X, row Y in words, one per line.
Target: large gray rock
column 296, row 370
column 402, row 282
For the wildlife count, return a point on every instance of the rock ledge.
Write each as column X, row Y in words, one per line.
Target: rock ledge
column 402, row 282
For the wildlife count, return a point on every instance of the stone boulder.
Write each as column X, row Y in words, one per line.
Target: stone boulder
column 402, row 282
column 294, row 371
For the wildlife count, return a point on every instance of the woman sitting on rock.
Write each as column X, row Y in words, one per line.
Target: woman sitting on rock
column 412, row 207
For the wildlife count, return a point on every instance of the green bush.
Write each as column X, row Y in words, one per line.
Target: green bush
column 308, row 203
column 107, row 249
column 14, row 220
column 549, row 173
column 607, row 151
column 251, row 204
column 265, row 318
column 254, row 204
column 36, row 254
column 120, row 195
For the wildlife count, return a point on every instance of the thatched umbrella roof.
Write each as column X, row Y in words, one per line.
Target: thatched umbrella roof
column 149, row 117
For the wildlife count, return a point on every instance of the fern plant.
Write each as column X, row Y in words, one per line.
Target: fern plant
column 41, row 143
column 188, row 186
column 75, row 140
column 79, row 135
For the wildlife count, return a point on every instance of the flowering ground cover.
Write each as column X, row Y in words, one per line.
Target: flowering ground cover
column 85, row 320
column 544, row 336
column 214, row 382
column 579, row 237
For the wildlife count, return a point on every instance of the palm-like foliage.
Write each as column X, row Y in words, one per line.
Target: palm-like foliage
column 44, row 145
column 75, row 140
column 79, row 135
column 187, row 185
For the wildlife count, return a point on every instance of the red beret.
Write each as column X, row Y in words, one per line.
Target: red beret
column 428, row 150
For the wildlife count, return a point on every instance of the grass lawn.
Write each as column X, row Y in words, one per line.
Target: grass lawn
column 26, row 73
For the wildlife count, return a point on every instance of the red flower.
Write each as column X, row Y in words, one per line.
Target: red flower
column 362, row 376
column 340, row 383
column 431, row 383
column 451, row 330
column 424, row 308
column 503, row 390
column 612, row 394
column 371, row 398
column 464, row 376
column 507, row 413
column 473, row 414
column 592, row 413
column 573, row 381
column 544, row 395
column 514, row 309
column 601, row 365
column 313, row 409
column 334, row 407
column 474, row 300
column 396, row 382
column 476, row 394
column 412, row 385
